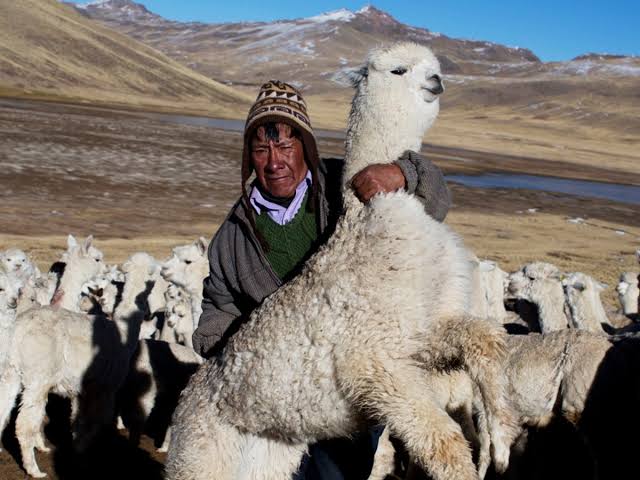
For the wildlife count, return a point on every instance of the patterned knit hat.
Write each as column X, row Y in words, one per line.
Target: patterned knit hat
column 280, row 102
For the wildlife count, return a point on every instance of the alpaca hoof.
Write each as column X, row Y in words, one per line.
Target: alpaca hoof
column 43, row 449
column 500, row 458
column 37, row 474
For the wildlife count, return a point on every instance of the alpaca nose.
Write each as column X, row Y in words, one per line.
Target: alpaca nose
column 436, row 86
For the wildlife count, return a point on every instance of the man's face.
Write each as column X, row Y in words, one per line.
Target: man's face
column 278, row 159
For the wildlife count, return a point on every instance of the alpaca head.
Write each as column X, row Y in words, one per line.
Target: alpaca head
column 532, row 280
column 583, row 296
column 83, row 261
column 396, row 101
column 178, row 314
column 16, row 262
column 142, row 265
column 9, row 292
column 408, row 70
column 173, row 293
column 188, row 265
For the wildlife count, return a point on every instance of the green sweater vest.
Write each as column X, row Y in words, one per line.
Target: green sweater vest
column 289, row 244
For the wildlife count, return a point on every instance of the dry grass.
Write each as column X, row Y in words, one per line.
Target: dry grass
column 48, row 49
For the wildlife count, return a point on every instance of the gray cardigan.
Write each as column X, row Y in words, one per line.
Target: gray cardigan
column 240, row 276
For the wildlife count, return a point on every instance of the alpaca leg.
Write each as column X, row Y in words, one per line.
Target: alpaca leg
column 28, row 427
column 384, row 459
column 9, row 389
column 165, row 444
column 269, row 459
column 210, row 449
column 479, row 346
column 397, row 393
column 484, row 439
column 202, row 447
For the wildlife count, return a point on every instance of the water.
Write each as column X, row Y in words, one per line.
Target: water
column 224, row 124
column 581, row 188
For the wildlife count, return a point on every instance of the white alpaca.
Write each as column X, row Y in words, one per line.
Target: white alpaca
column 77, row 273
column 187, row 267
column 628, row 292
column 342, row 343
column 583, row 298
column 541, row 284
column 159, row 372
column 81, row 357
column 549, row 375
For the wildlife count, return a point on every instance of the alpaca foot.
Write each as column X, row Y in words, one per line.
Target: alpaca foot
column 41, row 445
column 501, row 450
column 37, row 474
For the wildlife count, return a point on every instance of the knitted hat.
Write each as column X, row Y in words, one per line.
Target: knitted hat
column 280, row 102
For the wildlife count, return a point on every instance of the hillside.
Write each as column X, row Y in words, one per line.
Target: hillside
column 48, row 50
column 498, row 98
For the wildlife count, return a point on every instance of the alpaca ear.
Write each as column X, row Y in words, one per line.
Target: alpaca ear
column 87, row 244
column 201, row 243
column 71, row 242
column 351, row 77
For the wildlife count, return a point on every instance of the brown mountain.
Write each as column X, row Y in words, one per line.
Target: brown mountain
column 310, row 50
column 483, row 77
column 48, row 50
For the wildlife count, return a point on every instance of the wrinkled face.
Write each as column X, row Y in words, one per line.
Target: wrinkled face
column 9, row 292
column 182, row 263
column 277, row 156
column 408, row 68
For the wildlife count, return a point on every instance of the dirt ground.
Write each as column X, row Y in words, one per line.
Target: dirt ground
column 138, row 183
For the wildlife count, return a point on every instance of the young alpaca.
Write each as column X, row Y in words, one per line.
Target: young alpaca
column 84, row 358
column 187, row 267
column 353, row 338
column 540, row 283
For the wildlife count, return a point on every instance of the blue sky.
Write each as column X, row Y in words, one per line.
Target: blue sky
column 553, row 29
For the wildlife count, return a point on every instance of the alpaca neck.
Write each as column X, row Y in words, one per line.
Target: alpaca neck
column 550, row 302
column 380, row 130
column 7, row 321
column 71, row 288
column 130, row 312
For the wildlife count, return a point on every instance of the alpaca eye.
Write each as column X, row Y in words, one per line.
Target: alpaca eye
column 188, row 262
column 399, row 71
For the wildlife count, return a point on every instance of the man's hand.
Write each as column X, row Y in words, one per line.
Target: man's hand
column 378, row 178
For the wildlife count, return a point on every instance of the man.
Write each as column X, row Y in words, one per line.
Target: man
column 289, row 211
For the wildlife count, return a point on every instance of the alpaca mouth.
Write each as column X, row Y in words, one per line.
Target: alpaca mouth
column 437, row 90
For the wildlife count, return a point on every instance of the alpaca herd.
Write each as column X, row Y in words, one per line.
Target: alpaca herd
column 392, row 322
column 102, row 349
column 544, row 371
